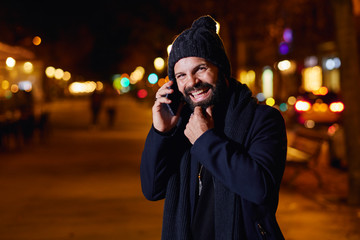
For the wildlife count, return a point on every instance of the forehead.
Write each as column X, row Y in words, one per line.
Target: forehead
column 189, row 63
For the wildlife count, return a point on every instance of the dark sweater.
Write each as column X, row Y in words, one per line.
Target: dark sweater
column 246, row 159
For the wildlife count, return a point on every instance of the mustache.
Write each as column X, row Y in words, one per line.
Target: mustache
column 197, row 86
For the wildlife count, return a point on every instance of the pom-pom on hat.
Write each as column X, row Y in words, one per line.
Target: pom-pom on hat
column 201, row 40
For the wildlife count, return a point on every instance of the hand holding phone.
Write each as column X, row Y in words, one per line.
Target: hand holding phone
column 166, row 107
column 176, row 98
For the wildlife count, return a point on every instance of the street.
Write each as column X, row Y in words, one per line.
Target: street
column 82, row 182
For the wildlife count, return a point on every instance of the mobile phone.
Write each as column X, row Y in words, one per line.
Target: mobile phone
column 176, row 98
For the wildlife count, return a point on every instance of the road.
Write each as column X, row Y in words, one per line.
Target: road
column 83, row 183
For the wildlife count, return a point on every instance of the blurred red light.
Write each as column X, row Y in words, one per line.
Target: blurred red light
column 142, row 93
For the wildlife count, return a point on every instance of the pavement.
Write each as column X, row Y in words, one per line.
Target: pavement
column 82, row 182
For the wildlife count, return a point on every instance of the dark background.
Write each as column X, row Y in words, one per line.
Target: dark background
column 105, row 37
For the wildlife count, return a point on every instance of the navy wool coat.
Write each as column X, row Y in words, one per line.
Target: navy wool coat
column 246, row 157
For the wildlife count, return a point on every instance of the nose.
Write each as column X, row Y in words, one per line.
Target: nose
column 193, row 80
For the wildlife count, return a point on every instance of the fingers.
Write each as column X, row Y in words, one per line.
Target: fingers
column 163, row 91
column 209, row 111
column 198, row 111
column 203, row 114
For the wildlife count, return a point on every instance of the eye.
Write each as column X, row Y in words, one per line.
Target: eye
column 202, row 68
column 180, row 76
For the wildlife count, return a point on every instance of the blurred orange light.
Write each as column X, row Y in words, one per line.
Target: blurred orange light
column 5, row 84
column 161, row 82
column 14, row 88
column 337, row 107
column 320, row 107
column 125, row 75
column 321, row 91
column 66, row 76
column 302, row 106
column 36, row 41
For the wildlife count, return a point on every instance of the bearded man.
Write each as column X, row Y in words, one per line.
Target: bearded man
column 219, row 159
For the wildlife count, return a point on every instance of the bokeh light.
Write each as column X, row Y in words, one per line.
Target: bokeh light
column 337, row 107
column 36, row 41
column 50, row 72
column 67, row 76
column 284, row 65
column 142, row 93
column 5, row 84
column 28, row 67
column 284, row 48
column 302, row 106
column 159, row 64
column 270, row 102
column 283, row 107
column 10, row 62
column 137, row 75
column 125, row 82
column 268, row 81
column 79, row 88
column 153, row 78
column 25, row 86
column 59, row 73
column 288, row 35
column 291, row 100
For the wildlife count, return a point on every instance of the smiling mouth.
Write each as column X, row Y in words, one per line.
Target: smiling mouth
column 200, row 94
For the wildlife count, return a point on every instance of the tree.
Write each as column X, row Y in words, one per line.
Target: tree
column 350, row 85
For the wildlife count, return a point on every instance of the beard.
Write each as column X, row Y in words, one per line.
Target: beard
column 218, row 93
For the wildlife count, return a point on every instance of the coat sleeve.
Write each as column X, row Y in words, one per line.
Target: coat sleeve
column 160, row 158
column 252, row 169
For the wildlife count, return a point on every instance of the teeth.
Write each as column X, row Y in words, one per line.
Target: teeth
column 198, row 92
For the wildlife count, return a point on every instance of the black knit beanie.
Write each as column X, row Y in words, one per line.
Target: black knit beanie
column 201, row 40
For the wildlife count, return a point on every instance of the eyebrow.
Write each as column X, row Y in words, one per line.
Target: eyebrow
column 194, row 69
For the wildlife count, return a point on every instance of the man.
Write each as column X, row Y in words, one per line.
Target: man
column 219, row 161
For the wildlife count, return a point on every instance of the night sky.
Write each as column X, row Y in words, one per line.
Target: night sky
column 92, row 38
column 97, row 39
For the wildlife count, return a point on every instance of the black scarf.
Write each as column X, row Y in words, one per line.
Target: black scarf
column 177, row 209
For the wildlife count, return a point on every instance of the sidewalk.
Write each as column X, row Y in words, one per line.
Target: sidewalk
column 84, row 184
column 307, row 211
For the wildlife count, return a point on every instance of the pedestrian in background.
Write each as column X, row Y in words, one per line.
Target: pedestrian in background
column 219, row 161
column 96, row 102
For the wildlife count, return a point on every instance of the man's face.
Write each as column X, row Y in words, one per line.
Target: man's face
column 197, row 80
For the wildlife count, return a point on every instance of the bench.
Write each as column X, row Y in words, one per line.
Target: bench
column 303, row 152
